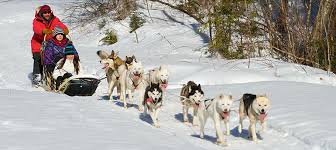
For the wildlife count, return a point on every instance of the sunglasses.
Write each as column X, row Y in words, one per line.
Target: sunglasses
column 47, row 12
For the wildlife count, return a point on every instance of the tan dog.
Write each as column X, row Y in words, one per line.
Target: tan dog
column 256, row 108
column 114, row 66
column 116, row 59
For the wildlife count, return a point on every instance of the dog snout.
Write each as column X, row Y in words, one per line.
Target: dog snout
column 226, row 110
column 262, row 110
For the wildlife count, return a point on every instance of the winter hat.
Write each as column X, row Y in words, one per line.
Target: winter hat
column 69, row 49
column 45, row 8
column 58, row 30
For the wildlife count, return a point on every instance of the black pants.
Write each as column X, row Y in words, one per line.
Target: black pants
column 38, row 67
column 60, row 79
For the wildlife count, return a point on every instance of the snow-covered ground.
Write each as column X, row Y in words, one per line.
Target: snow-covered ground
column 302, row 97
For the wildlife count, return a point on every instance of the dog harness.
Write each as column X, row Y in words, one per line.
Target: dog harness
column 207, row 103
column 134, row 84
column 150, row 100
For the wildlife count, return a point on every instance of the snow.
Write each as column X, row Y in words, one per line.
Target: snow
column 302, row 97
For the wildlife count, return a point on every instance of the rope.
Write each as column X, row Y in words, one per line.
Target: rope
column 184, row 98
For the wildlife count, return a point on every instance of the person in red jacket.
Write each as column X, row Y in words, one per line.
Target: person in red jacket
column 43, row 26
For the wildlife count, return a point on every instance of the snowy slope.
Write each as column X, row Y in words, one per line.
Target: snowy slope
column 302, row 97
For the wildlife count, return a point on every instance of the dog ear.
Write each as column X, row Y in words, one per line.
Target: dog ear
column 114, row 54
column 231, row 97
column 221, row 96
column 199, row 86
column 263, row 95
column 102, row 54
column 133, row 57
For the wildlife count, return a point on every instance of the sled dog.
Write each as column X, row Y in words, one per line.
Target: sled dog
column 191, row 95
column 132, row 80
column 114, row 66
column 153, row 102
column 129, row 60
column 255, row 107
column 159, row 76
column 218, row 109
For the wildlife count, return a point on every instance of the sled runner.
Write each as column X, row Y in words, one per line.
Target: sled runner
column 79, row 86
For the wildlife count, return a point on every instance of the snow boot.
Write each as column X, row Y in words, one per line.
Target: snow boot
column 36, row 81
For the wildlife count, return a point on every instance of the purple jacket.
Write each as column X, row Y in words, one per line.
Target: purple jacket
column 54, row 51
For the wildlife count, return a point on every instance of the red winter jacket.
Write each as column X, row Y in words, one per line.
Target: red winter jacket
column 38, row 25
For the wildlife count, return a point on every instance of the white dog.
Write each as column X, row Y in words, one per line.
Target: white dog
column 256, row 108
column 218, row 109
column 159, row 76
column 131, row 80
column 153, row 102
column 191, row 95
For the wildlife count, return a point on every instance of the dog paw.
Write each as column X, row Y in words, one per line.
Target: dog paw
column 239, row 130
column 222, row 143
column 202, row 136
column 157, row 126
column 141, row 109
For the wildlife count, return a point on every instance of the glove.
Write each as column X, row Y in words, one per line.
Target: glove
column 66, row 31
column 46, row 31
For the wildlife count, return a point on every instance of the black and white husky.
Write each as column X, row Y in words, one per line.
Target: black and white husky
column 153, row 102
column 191, row 95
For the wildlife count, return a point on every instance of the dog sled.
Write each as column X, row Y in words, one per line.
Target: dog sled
column 79, row 86
column 84, row 85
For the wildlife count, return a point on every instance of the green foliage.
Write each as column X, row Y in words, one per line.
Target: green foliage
column 136, row 22
column 110, row 38
column 226, row 21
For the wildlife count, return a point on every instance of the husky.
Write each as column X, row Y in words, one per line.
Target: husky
column 153, row 102
column 159, row 76
column 218, row 109
column 255, row 107
column 131, row 80
column 114, row 66
column 129, row 60
column 191, row 95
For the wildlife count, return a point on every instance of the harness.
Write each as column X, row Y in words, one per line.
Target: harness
column 115, row 74
column 207, row 105
column 150, row 100
column 134, row 83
